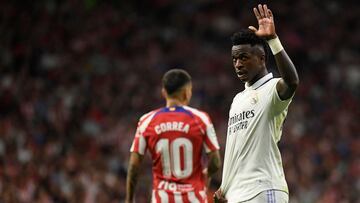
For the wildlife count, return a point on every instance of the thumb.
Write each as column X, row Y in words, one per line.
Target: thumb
column 252, row 28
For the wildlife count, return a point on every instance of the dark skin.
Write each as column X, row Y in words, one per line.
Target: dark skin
column 250, row 65
column 132, row 176
column 249, row 62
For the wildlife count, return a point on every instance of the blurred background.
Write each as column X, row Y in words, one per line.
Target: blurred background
column 76, row 75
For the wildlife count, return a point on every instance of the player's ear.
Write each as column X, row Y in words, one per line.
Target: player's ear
column 263, row 57
column 163, row 92
column 188, row 92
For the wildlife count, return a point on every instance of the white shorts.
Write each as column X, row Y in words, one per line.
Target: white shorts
column 270, row 196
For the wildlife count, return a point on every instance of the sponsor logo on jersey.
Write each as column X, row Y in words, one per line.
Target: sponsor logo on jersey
column 166, row 185
column 240, row 121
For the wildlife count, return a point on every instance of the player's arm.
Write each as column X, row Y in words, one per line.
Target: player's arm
column 132, row 176
column 219, row 197
column 214, row 164
column 289, row 76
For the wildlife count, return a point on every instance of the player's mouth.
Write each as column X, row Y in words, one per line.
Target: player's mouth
column 241, row 75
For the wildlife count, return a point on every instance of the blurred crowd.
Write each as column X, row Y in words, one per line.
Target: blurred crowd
column 75, row 76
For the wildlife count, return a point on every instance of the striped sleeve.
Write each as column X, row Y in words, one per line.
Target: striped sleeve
column 210, row 142
column 139, row 144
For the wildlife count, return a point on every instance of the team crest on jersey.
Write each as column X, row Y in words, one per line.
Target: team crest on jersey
column 254, row 98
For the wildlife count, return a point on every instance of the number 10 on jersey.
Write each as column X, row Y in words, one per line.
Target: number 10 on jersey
column 171, row 152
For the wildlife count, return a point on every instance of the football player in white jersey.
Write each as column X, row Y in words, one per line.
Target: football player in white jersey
column 253, row 171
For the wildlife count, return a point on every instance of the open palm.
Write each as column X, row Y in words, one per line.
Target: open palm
column 266, row 22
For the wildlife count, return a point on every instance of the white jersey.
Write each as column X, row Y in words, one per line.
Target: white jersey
column 252, row 161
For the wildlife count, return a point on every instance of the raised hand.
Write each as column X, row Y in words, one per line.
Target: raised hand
column 266, row 22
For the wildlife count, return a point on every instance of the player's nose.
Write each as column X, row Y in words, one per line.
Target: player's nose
column 238, row 63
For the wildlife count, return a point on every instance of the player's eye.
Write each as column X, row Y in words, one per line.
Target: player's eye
column 243, row 57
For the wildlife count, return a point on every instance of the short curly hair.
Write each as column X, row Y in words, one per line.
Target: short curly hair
column 247, row 36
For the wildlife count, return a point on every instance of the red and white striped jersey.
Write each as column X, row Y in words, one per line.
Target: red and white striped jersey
column 175, row 138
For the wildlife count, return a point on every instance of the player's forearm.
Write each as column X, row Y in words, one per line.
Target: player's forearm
column 131, row 182
column 213, row 167
column 287, row 69
column 214, row 163
column 285, row 66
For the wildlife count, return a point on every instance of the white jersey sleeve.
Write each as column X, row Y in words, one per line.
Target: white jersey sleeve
column 279, row 109
column 278, row 105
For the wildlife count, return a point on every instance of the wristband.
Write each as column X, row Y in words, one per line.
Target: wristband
column 275, row 45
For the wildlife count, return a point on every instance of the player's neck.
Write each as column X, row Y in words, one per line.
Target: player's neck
column 259, row 76
column 175, row 102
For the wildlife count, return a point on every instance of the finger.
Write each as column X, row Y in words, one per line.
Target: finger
column 216, row 197
column 252, row 28
column 266, row 11
column 270, row 14
column 222, row 200
column 261, row 10
column 257, row 14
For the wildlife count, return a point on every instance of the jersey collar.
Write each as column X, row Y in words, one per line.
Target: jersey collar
column 260, row 82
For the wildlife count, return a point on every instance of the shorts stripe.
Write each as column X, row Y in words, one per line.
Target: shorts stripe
column 274, row 196
column 270, row 196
